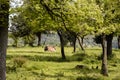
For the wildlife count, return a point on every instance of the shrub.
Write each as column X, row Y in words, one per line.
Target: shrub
column 19, row 61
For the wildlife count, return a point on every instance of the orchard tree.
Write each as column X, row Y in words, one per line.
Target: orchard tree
column 111, row 19
column 4, row 14
column 110, row 9
column 54, row 9
column 81, row 18
column 21, row 23
column 18, row 28
column 44, row 19
column 37, row 18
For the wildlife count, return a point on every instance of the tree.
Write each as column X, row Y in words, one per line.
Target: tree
column 15, row 38
column 4, row 14
column 104, row 69
column 81, row 18
column 24, row 23
column 20, row 28
column 38, row 34
column 109, row 39
column 60, row 33
column 54, row 10
column 109, row 11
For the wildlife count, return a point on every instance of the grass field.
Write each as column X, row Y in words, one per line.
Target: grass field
column 29, row 63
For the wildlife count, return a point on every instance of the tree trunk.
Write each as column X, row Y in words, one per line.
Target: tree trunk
column 3, row 46
column 4, row 13
column 82, row 38
column 80, row 44
column 118, row 42
column 39, row 38
column 104, row 69
column 109, row 44
column 62, row 44
column 74, row 44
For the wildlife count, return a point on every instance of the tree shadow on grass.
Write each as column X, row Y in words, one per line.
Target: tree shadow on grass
column 26, row 52
column 44, row 57
column 38, row 58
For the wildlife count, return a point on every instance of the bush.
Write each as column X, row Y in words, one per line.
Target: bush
column 19, row 61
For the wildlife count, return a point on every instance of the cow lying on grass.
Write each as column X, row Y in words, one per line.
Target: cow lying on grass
column 50, row 48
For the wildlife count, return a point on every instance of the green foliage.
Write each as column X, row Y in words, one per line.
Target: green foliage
column 109, row 9
column 29, row 39
column 19, row 26
column 81, row 17
column 4, row 13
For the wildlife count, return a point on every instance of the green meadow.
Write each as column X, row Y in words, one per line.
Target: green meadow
column 32, row 63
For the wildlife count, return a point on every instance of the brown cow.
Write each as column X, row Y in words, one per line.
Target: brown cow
column 49, row 48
